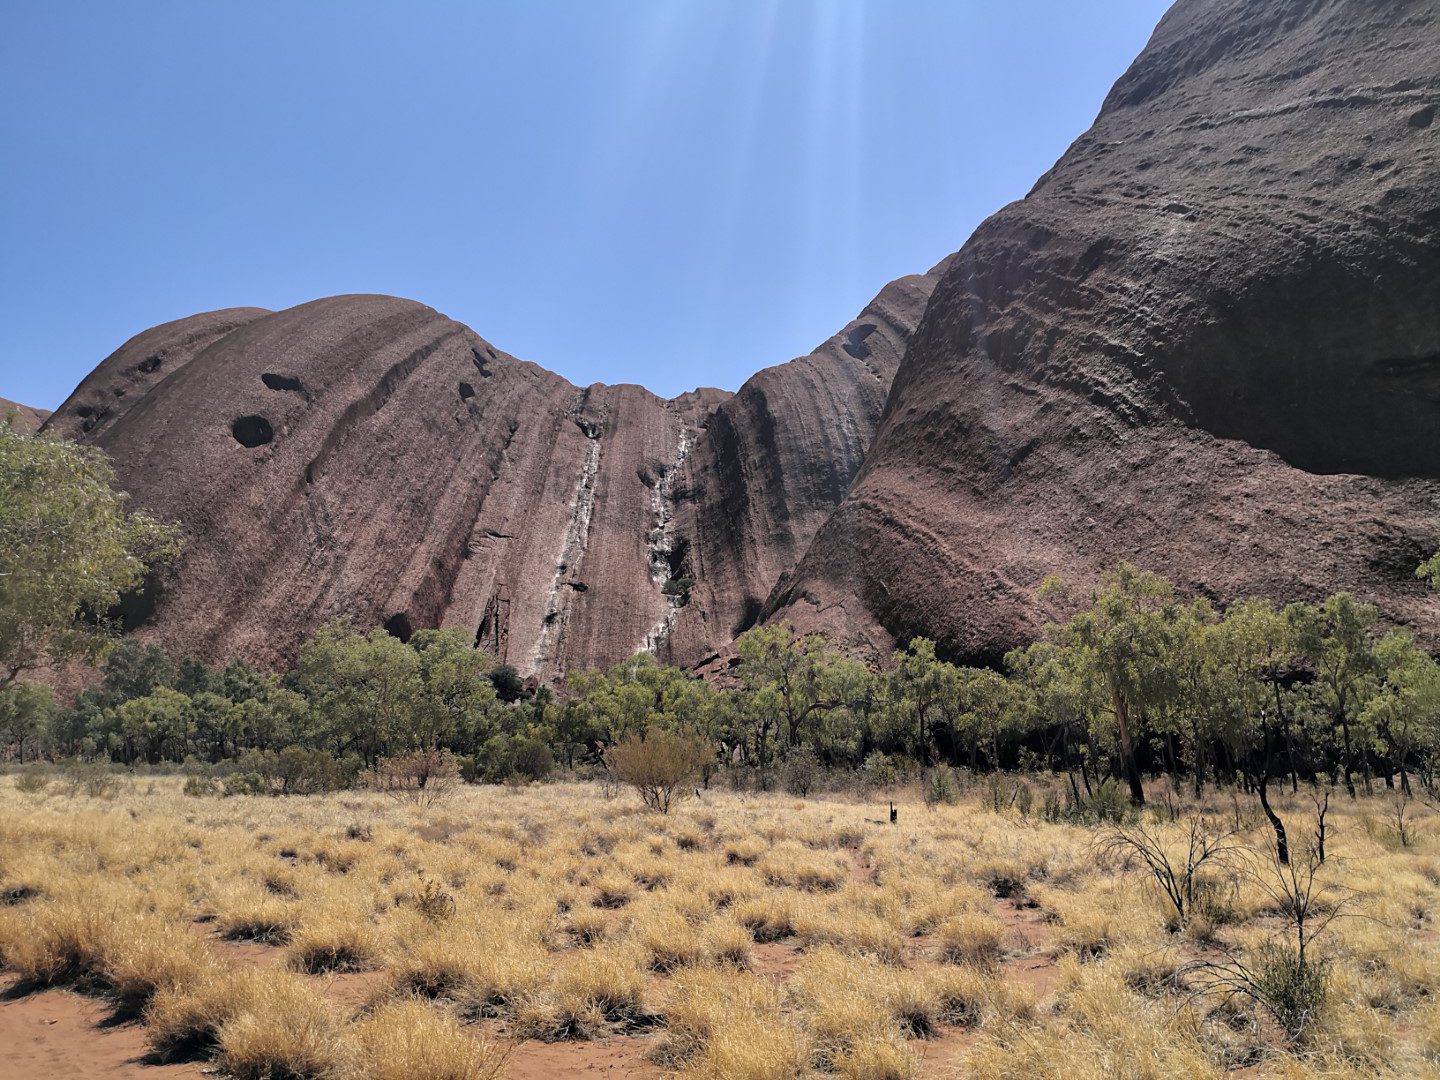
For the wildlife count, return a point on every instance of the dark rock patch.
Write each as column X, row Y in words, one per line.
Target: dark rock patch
column 398, row 626
column 252, row 431
column 276, row 381
column 855, row 341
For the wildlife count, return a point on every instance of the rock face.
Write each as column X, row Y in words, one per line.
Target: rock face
column 367, row 456
column 23, row 417
column 1208, row 341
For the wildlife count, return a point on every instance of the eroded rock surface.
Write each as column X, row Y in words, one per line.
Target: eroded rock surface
column 366, row 456
column 1208, row 341
column 23, row 417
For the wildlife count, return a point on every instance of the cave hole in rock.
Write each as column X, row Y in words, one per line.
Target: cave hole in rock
column 480, row 360
column 398, row 626
column 855, row 340
column 281, row 382
column 252, row 431
column 750, row 609
column 675, row 557
column 466, row 391
column 149, row 364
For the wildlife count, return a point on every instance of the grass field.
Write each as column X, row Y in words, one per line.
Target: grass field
column 741, row 936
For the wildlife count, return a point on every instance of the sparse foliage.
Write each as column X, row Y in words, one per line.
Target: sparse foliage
column 1179, row 875
column 660, row 765
column 69, row 551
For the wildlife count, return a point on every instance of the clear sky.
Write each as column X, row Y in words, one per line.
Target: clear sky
column 668, row 192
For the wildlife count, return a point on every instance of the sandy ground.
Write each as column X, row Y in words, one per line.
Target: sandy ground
column 58, row 1035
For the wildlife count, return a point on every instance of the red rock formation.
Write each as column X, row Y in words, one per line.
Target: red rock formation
column 22, row 417
column 1208, row 341
column 366, row 456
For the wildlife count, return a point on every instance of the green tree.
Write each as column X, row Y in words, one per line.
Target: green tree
column 1430, row 570
column 367, row 689
column 1116, row 651
column 1404, row 713
column 792, row 681
column 154, row 728
column 1338, row 638
column 918, row 682
column 68, row 552
column 134, row 669
column 26, row 713
column 462, row 707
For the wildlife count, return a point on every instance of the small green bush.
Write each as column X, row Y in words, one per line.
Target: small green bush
column 1052, row 808
column 801, row 772
column 942, row 787
column 33, row 779
column 1109, row 802
column 201, row 786
column 1291, row 988
column 246, row 783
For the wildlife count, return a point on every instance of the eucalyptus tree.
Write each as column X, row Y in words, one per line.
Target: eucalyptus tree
column 366, row 688
column 69, row 551
column 1116, row 650
column 1403, row 716
column 1337, row 637
column 792, row 680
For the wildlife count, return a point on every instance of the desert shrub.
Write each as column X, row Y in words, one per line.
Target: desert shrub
column 1024, row 798
column 89, row 778
column 801, row 772
column 1052, row 808
column 1285, row 976
column 308, row 772
column 1290, row 985
column 32, row 779
column 424, row 777
column 1179, row 877
column 432, row 901
column 660, row 765
column 199, row 786
column 941, row 787
column 880, row 770
column 246, row 783
column 514, row 757
column 1108, row 802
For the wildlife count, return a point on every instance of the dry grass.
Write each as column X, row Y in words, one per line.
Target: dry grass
column 744, row 937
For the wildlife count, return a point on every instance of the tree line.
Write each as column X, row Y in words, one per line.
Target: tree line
column 1132, row 682
column 1129, row 681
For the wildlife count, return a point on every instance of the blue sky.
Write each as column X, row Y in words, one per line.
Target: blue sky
column 654, row 191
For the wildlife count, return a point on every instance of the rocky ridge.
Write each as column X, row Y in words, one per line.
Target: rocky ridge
column 367, row 457
column 1208, row 342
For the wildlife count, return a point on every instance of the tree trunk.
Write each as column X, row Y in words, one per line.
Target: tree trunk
column 1282, row 845
column 1127, row 749
column 1347, row 762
